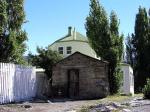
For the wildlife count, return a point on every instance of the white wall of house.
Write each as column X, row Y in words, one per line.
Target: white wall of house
column 128, row 79
column 79, row 46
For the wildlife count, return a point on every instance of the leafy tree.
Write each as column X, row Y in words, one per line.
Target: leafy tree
column 45, row 59
column 97, row 20
column 116, row 39
column 148, row 46
column 115, row 55
column 105, row 40
column 141, row 42
column 12, row 37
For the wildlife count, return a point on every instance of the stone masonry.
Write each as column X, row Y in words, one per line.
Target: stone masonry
column 80, row 77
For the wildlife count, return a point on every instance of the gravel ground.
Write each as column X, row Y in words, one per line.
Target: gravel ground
column 65, row 105
column 140, row 105
column 40, row 106
column 144, row 108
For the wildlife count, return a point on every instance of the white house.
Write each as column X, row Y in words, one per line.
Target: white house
column 128, row 79
column 74, row 41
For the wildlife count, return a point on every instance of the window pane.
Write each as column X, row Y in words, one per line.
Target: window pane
column 69, row 50
column 60, row 50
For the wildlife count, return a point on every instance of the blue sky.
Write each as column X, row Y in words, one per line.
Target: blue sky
column 49, row 19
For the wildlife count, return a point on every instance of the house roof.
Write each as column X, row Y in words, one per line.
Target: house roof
column 79, row 37
column 83, row 55
column 73, row 36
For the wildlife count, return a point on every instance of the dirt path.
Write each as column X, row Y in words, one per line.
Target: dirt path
column 55, row 106
column 64, row 105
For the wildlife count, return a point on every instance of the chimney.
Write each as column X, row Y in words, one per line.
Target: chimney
column 69, row 31
column 74, row 34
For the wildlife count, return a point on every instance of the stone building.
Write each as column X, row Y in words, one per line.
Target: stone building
column 80, row 77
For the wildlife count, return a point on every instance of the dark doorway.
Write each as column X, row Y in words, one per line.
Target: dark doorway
column 73, row 83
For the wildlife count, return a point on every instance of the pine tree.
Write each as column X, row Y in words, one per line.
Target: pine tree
column 12, row 37
column 140, row 43
column 105, row 40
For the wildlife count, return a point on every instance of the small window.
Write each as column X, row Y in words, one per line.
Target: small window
column 60, row 50
column 69, row 50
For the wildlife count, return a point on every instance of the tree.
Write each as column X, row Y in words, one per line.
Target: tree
column 141, row 41
column 130, row 54
column 12, row 37
column 105, row 40
column 97, row 20
column 45, row 59
column 116, row 39
column 148, row 46
column 115, row 55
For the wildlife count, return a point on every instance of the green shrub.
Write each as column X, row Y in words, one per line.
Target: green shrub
column 118, row 80
column 146, row 90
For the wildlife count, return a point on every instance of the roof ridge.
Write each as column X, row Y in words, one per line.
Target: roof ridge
column 77, row 52
column 79, row 37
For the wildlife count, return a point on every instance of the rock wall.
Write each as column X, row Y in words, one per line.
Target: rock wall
column 93, row 76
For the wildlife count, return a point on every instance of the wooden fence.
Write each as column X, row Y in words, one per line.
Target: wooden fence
column 17, row 83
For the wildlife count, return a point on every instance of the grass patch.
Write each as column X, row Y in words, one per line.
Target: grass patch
column 84, row 109
column 139, row 95
column 119, row 98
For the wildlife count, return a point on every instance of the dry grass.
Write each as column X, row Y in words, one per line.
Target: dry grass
column 113, row 98
column 119, row 98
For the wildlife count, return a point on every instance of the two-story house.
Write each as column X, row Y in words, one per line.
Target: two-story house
column 72, row 42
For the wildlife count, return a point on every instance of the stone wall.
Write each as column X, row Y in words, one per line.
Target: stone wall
column 93, row 76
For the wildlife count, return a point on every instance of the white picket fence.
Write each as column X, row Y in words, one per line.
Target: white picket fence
column 17, row 83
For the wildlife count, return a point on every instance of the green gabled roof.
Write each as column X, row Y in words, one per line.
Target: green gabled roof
column 79, row 37
column 76, row 36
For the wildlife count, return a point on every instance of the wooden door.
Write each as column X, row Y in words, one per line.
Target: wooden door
column 73, row 83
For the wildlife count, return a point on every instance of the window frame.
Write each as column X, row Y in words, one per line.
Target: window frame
column 59, row 51
column 68, row 51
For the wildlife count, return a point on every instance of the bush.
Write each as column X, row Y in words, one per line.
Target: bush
column 45, row 59
column 118, row 80
column 146, row 90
